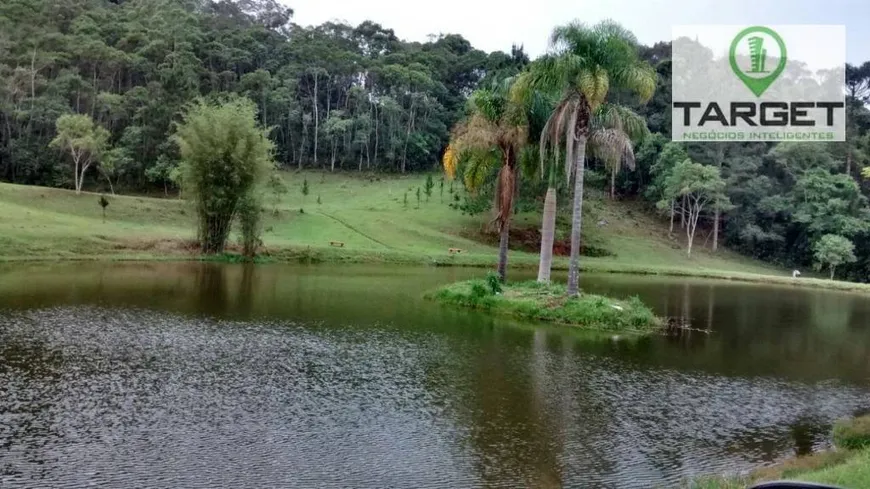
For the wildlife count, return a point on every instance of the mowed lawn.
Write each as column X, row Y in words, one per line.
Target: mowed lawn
column 366, row 213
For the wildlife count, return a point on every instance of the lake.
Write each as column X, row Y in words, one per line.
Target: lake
column 195, row 375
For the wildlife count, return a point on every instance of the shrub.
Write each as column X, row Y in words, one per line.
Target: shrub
column 225, row 155
column 853, row 433
column 478, row 289
column 494, row 283
column 249, row 216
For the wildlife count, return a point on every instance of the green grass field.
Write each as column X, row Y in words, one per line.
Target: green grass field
column 368, row 215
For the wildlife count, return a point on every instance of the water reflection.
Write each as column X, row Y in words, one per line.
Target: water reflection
column 205, row 375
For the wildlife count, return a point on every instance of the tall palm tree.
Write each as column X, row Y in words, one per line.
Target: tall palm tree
column 493, row 134
column 583, row 64
column 614, row 131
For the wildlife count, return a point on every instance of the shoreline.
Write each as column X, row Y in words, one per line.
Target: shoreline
column 310, row 255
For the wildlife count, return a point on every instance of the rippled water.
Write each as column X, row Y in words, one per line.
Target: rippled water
column 187, row 375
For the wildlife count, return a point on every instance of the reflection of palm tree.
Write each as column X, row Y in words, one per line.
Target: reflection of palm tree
column 515, row 428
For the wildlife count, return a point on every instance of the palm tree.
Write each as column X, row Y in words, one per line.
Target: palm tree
column 493, row 134
column 614, row 130
column 584, row 63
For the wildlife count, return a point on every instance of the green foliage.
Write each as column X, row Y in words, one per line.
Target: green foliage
column 249, row 214
column 694, row 189
column 133, row 65
column 224, row 158
column 276, row 188
column 103, row 204
column 478, row 290
column 78, row 76
column 85, row 141
column 428, row 186
column 532, row 300
column 852, row 434
column 493, row 281
column 691, row 179
column 833, row 250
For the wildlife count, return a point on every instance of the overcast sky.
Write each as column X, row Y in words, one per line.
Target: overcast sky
column 493, row 25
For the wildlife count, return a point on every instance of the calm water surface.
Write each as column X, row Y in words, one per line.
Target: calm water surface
column 201, row 376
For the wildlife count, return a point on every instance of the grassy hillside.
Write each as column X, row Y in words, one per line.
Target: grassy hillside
column 367, row 214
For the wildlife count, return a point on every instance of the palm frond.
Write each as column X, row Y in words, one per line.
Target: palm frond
column 476, row 166
column 610, row 29
column 450, row 161
column 521, row 90
column 639, row 77
column 613, row 116
column 478, row 132
column 613, row 147
column 568, row 35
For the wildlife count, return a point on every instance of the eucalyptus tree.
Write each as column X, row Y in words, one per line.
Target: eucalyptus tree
column 85, row 141
column 698, row 188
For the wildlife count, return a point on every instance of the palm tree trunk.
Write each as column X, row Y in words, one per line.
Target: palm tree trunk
column 503, row 249
column 548, row 235
column 505, row 192
column 613, row 182
column 577, row 216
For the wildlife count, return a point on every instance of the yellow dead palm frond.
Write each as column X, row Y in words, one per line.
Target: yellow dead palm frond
column 450, row 161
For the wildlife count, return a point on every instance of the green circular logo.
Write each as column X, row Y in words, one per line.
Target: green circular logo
column 756, row 73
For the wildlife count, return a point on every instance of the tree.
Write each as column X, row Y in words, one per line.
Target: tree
column 585, row 63
column 672, row 154
column 114, row 163
column 610, row 139
column 698, row 188
column 103, row 204
column 833, row 250
column 430, row 184
column 225, row 156
column 491, row 137
column 85, row 141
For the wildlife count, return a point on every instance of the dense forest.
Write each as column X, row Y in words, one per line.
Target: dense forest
column 357, row 98
column 335, row 96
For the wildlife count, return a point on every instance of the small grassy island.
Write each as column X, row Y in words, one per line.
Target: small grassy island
column 549, row 302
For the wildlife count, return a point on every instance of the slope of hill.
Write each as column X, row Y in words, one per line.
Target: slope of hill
column 368, row 215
